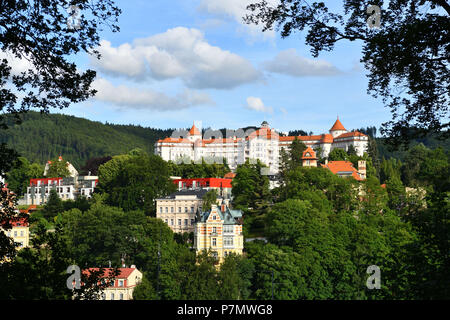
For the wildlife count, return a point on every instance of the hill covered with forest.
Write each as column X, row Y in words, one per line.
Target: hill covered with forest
column 41, row 137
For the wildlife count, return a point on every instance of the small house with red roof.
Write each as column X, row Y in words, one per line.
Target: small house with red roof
column 309, row 158
column 346, row 169
column 122, row 287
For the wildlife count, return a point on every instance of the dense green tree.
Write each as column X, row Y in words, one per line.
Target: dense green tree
column 338, row 154
column 251, row 188
column 18, row 178
column 234, row 278
column 209, row 199
column 39, row 272
column 58, row 169
column 53, row 206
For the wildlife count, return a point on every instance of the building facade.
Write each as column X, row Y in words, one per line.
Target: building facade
column 123, row 285
column 263, row 144
column 178, row 209
column 19, row 232
column 219, row 230
column 67, row 188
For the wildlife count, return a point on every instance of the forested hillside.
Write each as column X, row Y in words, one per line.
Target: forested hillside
column 42, row 137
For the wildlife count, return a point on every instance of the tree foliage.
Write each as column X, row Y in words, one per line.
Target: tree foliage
column 407, row 58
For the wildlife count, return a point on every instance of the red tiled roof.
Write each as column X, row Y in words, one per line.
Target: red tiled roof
column 351, row 134
column 337, row 126
column 342, row 166
column 175, row 140
column 230, row 175
column 311, row 152
column 265, row 133
column 203, row 182
column 124, row 273
column 44, row 181
column 18, row 222
column 194, row 131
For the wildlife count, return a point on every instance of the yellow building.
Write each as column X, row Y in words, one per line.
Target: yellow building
column 20, row 232
column 219, row 230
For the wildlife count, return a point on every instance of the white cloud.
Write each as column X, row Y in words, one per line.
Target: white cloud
column 177, row 53
column 236, row 10
column 290, row 63
column 255, row 103
column 136, row 98
column 18, row 65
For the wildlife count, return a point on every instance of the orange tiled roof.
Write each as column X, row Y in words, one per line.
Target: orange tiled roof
column 337, row 126
column 311, row 152
column 230, row 175
column 351, row 134
column 342, row 166
column 194, row 131
column 175, row 140
column 264, row 133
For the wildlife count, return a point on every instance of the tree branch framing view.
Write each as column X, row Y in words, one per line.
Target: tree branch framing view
column 111, row 189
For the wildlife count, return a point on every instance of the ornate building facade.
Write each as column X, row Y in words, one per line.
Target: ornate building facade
column 263, row 144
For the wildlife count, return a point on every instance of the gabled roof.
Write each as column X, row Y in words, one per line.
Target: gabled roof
column 309, row 153
column 229, row 216
column 337, row 126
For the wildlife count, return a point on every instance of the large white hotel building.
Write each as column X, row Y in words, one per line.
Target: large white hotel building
column 264, row 144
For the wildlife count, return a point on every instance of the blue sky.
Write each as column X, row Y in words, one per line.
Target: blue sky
column 175, row 62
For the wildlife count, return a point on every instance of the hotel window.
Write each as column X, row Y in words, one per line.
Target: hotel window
column 166, row 221
column 185, row 222
column 214, row 242
column 185, row 209
column 112, row 296
column 68, row 189
column 167, row 209
column 179, row 209
column 192, row 209
column 171, row 222
column 120, row 283
column 214, row 230
column 171, row 209
column 192, row 222
column 179, row 222
column 121, row 296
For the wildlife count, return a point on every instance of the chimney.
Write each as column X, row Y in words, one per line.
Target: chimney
column 133, row 266
column 326, row 161
column 193, row 184
column 180, row 183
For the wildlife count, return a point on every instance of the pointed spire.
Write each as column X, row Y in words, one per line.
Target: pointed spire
column 337, row 126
